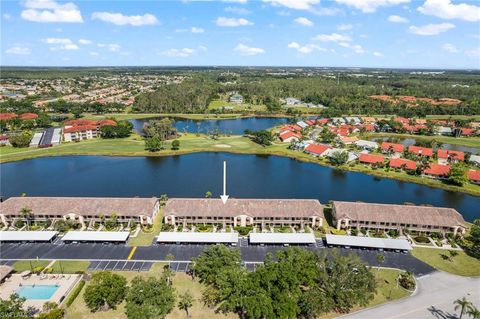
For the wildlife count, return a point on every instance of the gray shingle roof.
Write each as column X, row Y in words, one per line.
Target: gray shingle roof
column 250, row 207
column 94, row 206
column 403, row 214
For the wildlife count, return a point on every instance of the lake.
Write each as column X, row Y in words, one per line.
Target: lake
column 193, row 175
column 228, row 126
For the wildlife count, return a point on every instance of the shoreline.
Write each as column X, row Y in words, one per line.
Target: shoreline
column 295, row 155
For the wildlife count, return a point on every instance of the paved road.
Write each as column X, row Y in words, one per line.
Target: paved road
column 61, row 251
column 433, row 299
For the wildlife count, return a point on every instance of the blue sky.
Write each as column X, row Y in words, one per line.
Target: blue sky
column 362, row 33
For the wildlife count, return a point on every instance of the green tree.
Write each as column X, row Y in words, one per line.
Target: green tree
column 185, row 302
column 213, row 261
column 175, row 145
column 51, row 311
column 326, row 135
column 462, row 304
column 163, row 129
column 457, row 174
column 13, row 307
column 208, row 194
column 262, row 137
column 149, row 298
column 338, row 157
column 154, row 144
column 106, row 290
column 21, row 140
column 473, row 312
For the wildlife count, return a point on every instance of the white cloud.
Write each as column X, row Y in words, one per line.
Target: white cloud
column 294, row 4
column 93, row 53
column 344, row 27
column 84, row 41
column 112, row 47
column 304, row 21
column 246, row 50
column 445, row 9
column 377, row 54
column 237, row 10
column 334, row 37
column 368, row 6
column 120, row 19
column 431, row 29
column 196, row 30
column 305, row 49
column 60, row 44
column 18, row 50
column 450, row 48
column 51, row 11
column 397, row 19
column 232, row 22
column 7, row 16
column 179, row 53
column 235, row 1
column 473, row 52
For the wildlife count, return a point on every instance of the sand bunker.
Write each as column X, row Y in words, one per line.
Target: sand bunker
column 222, row 145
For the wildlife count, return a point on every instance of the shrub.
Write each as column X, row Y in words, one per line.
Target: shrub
column 243, row 231
column 393, row 233
column 19, row 223
column 75, row 293
column 167, row 227
column 422, row 239
column 38, row 269
column 354, row 232
column 407, row 281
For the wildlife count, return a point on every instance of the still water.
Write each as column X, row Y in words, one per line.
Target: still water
column 193, row 175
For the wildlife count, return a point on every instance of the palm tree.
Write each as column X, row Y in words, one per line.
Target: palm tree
column 186, row 301
column 462, row 304
column 473, row 312
column 27, row 214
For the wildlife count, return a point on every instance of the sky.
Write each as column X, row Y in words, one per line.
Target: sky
column 443, row 34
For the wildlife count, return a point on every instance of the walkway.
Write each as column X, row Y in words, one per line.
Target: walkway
column 433, row 299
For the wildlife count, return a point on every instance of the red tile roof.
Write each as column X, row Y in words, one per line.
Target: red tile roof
column 437, row 170
column 401, row 163
column 418, row 150
column 368, row 127
column 317, row 149
column 473, row 175
column 106, row 122
column 371, row 159
column 466, row 131
column 397, row 148
column 322, row 121
column 4, row 137
column 403, row 120
column 79, row 122
column 310, row 122
column 28, row 116
column 80, row 128
column 455, row 155
column 7, row 116
column 287, row 134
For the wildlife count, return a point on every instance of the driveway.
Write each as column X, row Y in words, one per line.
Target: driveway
column 433, row 300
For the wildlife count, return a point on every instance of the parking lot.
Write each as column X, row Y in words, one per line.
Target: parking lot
column 106, row 255
column 119, row 265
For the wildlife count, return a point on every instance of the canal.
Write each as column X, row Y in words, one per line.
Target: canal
column 193, row 175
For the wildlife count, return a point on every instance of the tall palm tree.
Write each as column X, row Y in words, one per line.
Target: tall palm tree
column 462, row 304
column 27, row 214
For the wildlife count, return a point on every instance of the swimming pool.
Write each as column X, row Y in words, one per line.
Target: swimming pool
column 43, row 292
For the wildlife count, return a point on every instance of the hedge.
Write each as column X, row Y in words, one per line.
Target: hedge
column 75, row 293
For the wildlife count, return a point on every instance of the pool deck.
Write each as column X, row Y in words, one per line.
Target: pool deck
column 65, row 283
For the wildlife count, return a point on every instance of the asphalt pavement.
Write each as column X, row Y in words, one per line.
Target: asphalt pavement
column 433, row 299
column 184, row 253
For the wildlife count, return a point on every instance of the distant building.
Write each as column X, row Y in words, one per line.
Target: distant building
column 437, row 171
column 474, row 176
column 448, row 156
column 366, row 145
column 316, row 149
column 289, row 136
column 78, row 130
column 236, row 98
column 423, row 219
column 292, row 101
column 392, row 148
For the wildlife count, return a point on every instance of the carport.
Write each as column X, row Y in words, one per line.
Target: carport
column 96, row 236
column 282, row 238
column 27, row 236
column 368, row 242
column 198, row 238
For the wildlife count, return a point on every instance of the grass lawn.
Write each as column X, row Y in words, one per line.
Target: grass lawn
column 244, row 107
column 23, row 265
column 69, row 267
column 462, row 265
column 145, row 239
column 181, row 282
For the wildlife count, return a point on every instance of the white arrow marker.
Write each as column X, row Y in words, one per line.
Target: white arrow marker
column 224, row 197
